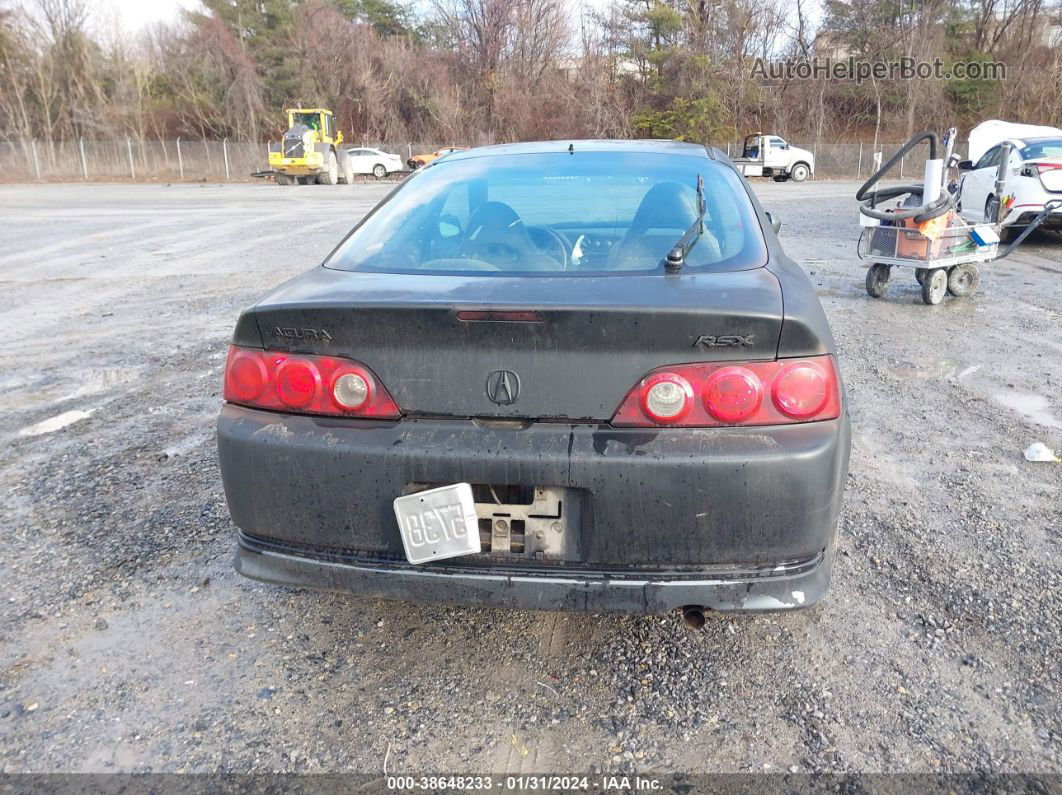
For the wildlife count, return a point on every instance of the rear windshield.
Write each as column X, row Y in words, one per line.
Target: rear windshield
column 557, row 214
column 1051, row 149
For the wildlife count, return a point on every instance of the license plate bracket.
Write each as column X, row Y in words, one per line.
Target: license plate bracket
column 439, row 523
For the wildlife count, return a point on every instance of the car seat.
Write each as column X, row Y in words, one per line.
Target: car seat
column 666, row 211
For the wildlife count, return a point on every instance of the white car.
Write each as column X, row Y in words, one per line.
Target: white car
column 374, row 161
column 1033, row 176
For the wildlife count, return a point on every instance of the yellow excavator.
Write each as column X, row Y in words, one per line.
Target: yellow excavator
column 310, row 150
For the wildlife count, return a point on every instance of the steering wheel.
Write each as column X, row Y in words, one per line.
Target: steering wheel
column 551, row 243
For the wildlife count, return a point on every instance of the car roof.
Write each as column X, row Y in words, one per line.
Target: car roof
column 1024, row 142
column 645, row 146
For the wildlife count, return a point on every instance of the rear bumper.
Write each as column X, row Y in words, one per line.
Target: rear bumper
column 668, row 517
column 1024, row 214
column 740, row 590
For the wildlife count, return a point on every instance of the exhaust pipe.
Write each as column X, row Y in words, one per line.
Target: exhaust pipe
column 693, row 615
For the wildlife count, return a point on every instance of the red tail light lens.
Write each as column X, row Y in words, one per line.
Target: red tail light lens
column 733, row 394
column 245, row 375
column 305, row 384
column 801, row 390
column 297, row 383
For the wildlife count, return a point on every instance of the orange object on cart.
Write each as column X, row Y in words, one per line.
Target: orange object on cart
column 925, row 240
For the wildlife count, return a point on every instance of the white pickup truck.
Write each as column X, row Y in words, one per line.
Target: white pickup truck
column 771, row 156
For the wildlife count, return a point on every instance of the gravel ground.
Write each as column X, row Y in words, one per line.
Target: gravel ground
column 128, row 644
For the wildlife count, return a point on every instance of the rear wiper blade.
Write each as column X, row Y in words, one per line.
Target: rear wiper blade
column 677, row 255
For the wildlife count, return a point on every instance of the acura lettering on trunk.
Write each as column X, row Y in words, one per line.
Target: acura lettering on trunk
column 487, row 394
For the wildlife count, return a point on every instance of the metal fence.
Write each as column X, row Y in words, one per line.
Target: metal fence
column 212, row 161
column 148, row 161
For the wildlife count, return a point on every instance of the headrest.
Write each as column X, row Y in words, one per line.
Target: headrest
column 496, row 214
column 665, row 205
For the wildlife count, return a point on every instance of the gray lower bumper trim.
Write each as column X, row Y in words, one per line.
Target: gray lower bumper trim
column 542, row 592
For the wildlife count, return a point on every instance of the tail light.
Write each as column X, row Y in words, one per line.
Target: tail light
column 305, row 384
column 752, row 393
column 1039, row 169
column 666, row 398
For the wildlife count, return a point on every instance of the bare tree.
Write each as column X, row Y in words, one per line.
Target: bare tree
column 475, row 71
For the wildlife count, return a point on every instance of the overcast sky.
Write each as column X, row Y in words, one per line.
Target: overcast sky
column 132, row 15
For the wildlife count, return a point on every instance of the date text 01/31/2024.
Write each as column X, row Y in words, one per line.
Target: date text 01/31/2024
column 521, row 783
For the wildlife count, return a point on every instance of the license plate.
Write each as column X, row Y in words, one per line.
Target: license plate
column 438, row 523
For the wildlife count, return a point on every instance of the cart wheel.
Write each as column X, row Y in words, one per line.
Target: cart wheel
column 934, row 285
column 878, row 279
column 920, row 274
column 963, row 280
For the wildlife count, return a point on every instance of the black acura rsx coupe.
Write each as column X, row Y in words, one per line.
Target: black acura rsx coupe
column 578, row 376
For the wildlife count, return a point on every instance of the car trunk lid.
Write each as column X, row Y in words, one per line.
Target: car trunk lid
column 1050, row 171
column 586, row 342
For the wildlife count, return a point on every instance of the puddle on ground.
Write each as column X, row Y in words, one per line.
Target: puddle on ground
column 940, row 370
column 92, row 382
column 1032, row 407
column 80, row 384
column 960, row 306
column 1040, row 310
column 185, row 445
column 865, row 439
column 52, row 424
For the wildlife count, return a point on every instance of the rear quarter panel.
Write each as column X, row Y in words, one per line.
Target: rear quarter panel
column 805, row 329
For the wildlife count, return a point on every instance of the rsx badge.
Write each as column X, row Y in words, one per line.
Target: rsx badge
column 723, row 340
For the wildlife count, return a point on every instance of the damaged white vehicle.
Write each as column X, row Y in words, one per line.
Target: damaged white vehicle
column 1013, row 171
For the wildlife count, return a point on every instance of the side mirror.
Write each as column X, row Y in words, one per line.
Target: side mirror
column 965, row 165
column 776, row 222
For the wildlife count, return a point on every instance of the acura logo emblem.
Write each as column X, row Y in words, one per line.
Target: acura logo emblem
column 503, row 387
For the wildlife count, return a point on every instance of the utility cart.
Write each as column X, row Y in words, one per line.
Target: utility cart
column 924, row 232
column 945, row 259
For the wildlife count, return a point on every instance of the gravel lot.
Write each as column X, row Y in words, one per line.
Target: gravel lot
column 128, row 644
